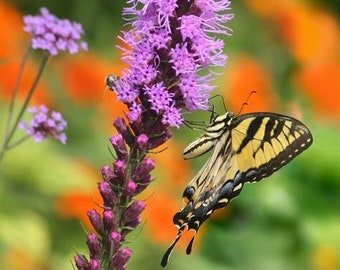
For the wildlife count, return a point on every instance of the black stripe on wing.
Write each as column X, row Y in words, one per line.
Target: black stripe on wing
column 273, row 140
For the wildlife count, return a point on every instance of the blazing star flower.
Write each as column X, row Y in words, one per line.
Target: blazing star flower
column 53, row 34
column 172, row 51
column 43, row 125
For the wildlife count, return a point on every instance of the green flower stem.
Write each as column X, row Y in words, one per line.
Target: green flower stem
column 18, row 142
column 15, row 92
column 10, row 132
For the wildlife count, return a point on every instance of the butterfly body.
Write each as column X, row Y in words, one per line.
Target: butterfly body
column 245, row 148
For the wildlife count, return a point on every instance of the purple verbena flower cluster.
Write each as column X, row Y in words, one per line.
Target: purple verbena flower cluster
column 53, row 34
column 171, row 53
column 42, row 125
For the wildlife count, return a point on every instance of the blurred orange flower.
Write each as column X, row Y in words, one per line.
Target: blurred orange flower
column 243, row 78
column 321, row 81
column 309, row 32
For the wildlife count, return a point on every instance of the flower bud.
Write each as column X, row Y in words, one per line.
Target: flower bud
column 159, row 140
column 114, row 241
column 107, row 173
column 93, row 245
column 133, row 211
column 108, row 195
column 124, row 130
column 94, row 264
column 109, row 220
column 119, row 146
column 81, row 262
column 143, row 169
column 121, row 258
column 143, row 183
column 95, row 220
column 142, row 141
column 119, row 168
column 130, row 188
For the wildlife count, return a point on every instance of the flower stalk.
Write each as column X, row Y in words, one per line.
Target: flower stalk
column 171, row 54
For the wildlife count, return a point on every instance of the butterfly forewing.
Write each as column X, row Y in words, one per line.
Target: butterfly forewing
column 264, row 142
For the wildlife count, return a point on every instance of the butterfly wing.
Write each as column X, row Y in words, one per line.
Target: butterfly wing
column 264, row 142
column 248, row 148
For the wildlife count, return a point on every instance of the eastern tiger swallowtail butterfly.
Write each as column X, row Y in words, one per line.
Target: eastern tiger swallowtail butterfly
column 245, row 148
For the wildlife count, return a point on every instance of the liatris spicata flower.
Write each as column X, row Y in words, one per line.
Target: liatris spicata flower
column 43, row 125
column 53, row 34
column 171, row 54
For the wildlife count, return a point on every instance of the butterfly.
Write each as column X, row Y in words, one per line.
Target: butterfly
column 244, row 148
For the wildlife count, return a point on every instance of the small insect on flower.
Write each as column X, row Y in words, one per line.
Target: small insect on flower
column 43, row 125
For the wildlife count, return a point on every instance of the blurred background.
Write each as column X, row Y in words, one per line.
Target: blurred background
column 288, row 51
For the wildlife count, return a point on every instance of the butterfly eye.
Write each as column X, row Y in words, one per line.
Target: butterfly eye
column 188, row 194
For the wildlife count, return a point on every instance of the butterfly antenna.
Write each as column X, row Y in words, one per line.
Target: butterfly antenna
column 246, row 102
column 167, row 254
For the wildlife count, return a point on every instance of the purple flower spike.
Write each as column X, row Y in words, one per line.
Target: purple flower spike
column 43, row 126
column 173, row 48
column 53, row 34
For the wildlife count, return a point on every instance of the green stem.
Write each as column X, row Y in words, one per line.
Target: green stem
column 15, row 92
column 24, row 106
column 18, row 142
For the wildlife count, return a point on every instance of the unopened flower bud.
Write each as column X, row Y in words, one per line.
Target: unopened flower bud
column 143, row 169
column 93, row 245
column 133, row 211
column 94, row 264
column 107, row 173
column 109, row 220
column 95, row 220
column 142, row 141
column 81, row 262
column 108, row 195
column 121, row 258
column 119, row 146
column 124, row 130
